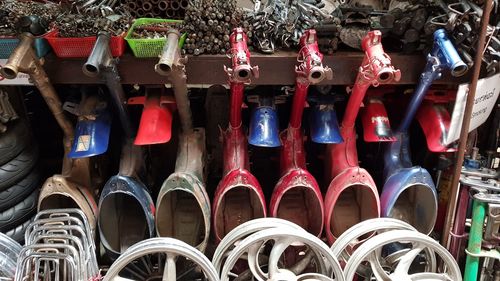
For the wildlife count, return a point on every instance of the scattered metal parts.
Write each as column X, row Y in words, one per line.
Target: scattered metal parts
column 83, row 25
column 157, row 258
column 154, row 30
column 26, row 16
column 59, row 244
column 208, row 25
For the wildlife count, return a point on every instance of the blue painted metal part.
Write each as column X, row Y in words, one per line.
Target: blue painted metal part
column 124, row 186
column 400, row 174
column 443, row 56
column 91, row 135
column 324, row 124
column 264, row 125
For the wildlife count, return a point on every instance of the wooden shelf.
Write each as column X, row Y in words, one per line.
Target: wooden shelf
column 275, row 69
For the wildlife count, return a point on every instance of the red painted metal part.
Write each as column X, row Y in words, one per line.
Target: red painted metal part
column 352, row 195
column 435, row 119
column 376, row 125
column 297, row 196
column 238, row 197
column 156, row 119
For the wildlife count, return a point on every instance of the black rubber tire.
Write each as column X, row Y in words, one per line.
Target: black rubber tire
column 13, row 141
column 18, row 192
column 19, row 213
column 17, row 233
column 16, row 169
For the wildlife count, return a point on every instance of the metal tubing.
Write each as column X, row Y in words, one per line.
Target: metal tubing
column 101, row 62
column 184, row 4
column 459, row 228
column 175, row 5
column 132, row 6
column 163, row 5
column 172, row 65
column 23, row 59
column 443, row 56
column 146, row 6
column 140, row 12
column 475, row 240
column 452, row 203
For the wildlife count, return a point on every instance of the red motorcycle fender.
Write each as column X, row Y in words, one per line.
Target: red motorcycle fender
column 435, row 122
column 352, row 197
column 297, row 198
column 376, row 126
column 238, row 198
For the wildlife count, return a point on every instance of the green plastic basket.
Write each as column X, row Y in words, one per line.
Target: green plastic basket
column 149, row 48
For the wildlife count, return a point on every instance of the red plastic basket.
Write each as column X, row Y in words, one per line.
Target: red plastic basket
column 81, row 47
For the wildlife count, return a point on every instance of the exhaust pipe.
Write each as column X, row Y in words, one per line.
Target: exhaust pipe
column 352, row 196
column 238, row 197
column 409, row 193
column 73, row 187
column 126, row 209
column 183, row 206
column 297, row 196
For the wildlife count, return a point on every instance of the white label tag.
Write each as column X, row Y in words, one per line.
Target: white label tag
column 21, row 79
column 484, row 102
column 83, row 143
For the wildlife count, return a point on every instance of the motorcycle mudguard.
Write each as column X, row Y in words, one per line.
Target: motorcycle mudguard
column 435, row 122
column 324, row 124
column 376, row 126
column 156, row 119
column 92, row 129
column 264, row 127
column 410, row 195
column 126, row 214
column 183, row 206
column 58, row 192
column 297, row 198
column 352, row 197
column 238, row 199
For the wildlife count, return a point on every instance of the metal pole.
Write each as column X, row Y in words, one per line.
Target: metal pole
column 475, row 240
column 450, row 212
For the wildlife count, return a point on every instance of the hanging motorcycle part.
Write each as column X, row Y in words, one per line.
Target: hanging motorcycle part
column 483, row 237
column 371, row 250
column 324, row 125
column 409, row 193
column 352, row 196
column 126, row 210
column 278, row 240
column 159, row 259
column 183, row 206
column 264, row 123
column 156, row 120
column 296, row 196
column 93, row 127
column 72, row 188
column 376, row 125
column 248, row 228
column 238, row 197
column 435, row 119
column 59, row 244
column 347, row 242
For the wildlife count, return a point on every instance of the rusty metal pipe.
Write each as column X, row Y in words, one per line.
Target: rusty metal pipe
column 175, row 5
column 163, row 5
column 101, row 62
column 170, row 13
column 140, row 12
column 132, row 6
column 452, row 203
column 172, row 65
column 184, row 4
column 154, row 2
column 147, row 6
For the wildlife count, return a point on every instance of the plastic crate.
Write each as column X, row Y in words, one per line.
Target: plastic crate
column 8, row 44
column 149, row 48
column 81, row 47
